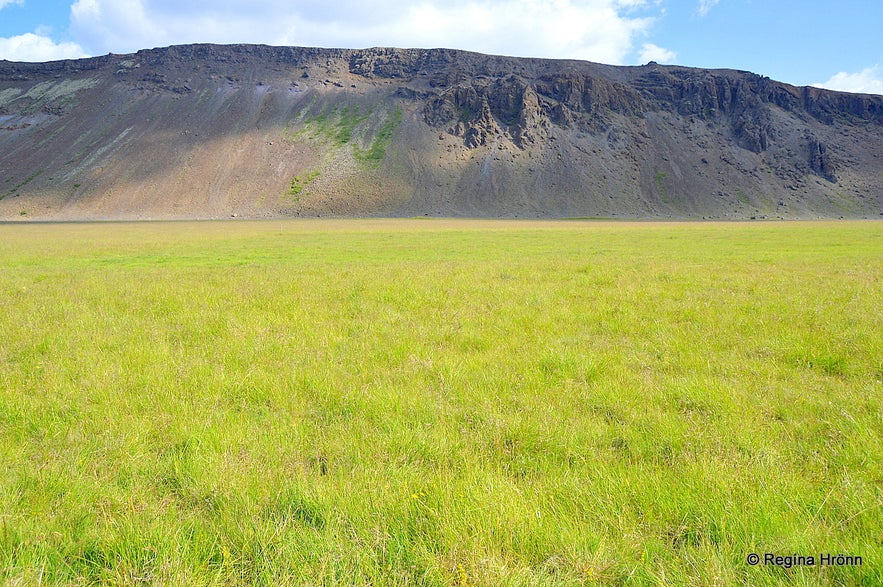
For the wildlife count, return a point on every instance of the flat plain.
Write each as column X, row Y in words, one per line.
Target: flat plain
column 438, row 402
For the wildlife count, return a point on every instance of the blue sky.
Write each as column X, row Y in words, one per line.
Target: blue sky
column 834, row 44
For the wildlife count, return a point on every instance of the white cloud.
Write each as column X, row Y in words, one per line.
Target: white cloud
column 651, row 52
column 598, row 30
column 867, row 81
column 705, row 6
column 4, row 3
column 31, row 47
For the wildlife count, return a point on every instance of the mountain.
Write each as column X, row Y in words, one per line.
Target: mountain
column 202, row 131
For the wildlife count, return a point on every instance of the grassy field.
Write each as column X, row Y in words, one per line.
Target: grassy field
column 440, row 403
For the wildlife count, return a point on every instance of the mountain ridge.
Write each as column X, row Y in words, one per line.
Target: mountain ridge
column 201, row 131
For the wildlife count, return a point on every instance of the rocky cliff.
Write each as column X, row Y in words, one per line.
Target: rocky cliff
column 257, row 131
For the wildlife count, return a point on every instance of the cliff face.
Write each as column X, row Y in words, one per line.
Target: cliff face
column 215, row 131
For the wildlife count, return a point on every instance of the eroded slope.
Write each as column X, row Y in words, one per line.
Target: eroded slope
column 215, row 131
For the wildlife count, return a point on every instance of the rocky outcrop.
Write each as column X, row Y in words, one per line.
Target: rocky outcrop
column 819, row 161
column 523, row 110
column 483, row 113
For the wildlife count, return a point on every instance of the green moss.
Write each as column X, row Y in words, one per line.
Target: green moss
column 346, row 124
column 299, row 182
column 377, row 151
column 339, row 126
column 336, row 126
column 26, row 181
column 660, row 187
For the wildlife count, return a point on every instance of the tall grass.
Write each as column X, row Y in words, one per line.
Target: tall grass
column 440, row 403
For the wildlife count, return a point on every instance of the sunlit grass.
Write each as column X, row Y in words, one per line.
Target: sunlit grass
column 439, row 402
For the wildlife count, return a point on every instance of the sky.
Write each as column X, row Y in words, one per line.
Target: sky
column 837, row 45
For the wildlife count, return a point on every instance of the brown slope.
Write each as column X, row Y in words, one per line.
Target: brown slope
column 213, row 131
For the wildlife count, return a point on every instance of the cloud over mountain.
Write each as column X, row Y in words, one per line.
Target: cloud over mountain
column 596, row 30
column 34, row 47
column 866, row 81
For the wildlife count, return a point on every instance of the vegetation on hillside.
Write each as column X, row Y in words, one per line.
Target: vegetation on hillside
column 299, row 182
column 340, row 126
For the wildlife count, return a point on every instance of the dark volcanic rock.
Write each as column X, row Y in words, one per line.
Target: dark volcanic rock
column 819, row 161
column 209, row 130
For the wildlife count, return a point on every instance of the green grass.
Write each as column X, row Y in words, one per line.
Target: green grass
column 439, row 403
